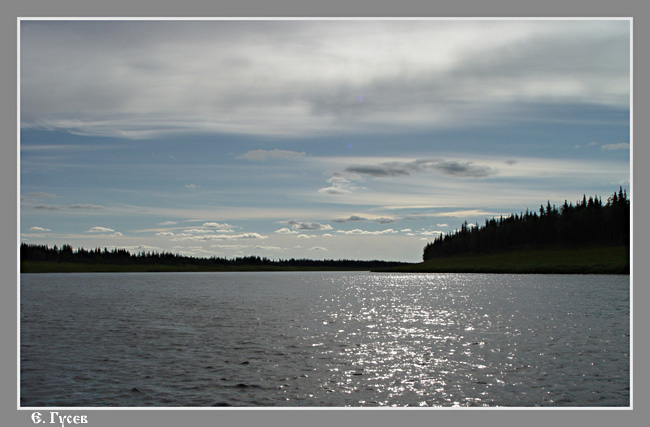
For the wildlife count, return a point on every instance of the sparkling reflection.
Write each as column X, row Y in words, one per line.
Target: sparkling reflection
column 437, row 340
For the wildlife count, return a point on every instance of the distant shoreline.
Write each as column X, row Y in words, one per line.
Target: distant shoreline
column 585, row 259
column 580, row 260
column 70, row 267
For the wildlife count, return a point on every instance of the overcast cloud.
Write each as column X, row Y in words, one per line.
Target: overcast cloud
column 147, row 79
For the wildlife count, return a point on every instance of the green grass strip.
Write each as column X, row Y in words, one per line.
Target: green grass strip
column 583, row 260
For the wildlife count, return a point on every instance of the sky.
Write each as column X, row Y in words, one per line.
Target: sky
column 321, row 139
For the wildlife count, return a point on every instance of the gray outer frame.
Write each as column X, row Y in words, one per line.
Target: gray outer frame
column 12, row 9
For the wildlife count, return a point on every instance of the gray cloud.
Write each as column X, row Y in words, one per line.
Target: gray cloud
column 384, row 220
column 308, row 226
column 333, row 190
column 463, row 169
column 446, row 167
column 382, row 170
column 263, row 155
column 86, row 206
column 48, row 207
column 352, row 218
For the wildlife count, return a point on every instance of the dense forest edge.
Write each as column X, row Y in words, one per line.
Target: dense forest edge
column 586, row 237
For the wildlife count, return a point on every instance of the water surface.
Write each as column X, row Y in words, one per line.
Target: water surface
column 324, row 339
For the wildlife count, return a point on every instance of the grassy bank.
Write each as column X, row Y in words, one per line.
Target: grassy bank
column 75, row 267
column 582, row 260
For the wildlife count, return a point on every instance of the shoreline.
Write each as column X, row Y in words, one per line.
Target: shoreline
column 525, row 260
column 530, row 260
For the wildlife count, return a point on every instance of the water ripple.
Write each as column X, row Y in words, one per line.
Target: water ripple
column 324, row 339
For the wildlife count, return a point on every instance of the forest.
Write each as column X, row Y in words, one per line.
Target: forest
column 31, row 253
column 587, row 222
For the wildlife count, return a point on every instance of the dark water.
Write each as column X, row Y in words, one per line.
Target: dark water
column 324, row 339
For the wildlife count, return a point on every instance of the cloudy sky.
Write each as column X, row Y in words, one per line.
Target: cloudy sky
column 360, row 139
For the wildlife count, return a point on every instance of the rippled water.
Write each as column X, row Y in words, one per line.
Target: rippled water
column 324, row 339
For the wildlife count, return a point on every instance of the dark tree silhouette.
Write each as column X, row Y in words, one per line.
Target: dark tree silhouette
column 43, row 253
column 588, row 222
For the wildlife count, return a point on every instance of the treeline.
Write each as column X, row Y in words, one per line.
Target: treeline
column 587, row 222
column 66, row 254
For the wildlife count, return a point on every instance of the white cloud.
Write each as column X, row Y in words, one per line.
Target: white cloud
column 197, row 231
column 192, row 186
column 341, row 184
column 318, row 248
column 100, row 230
column 225, row 228
column 432, row 233
column 167, row 223
column 467, row 213
column 105, row 231
column 249, row 236
column 619, row 146
column 263, row 155
column 209, row 237
column 285, row 231
column 364, row 232
column 41, row 229
column 141, row 248
column 333, row 190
